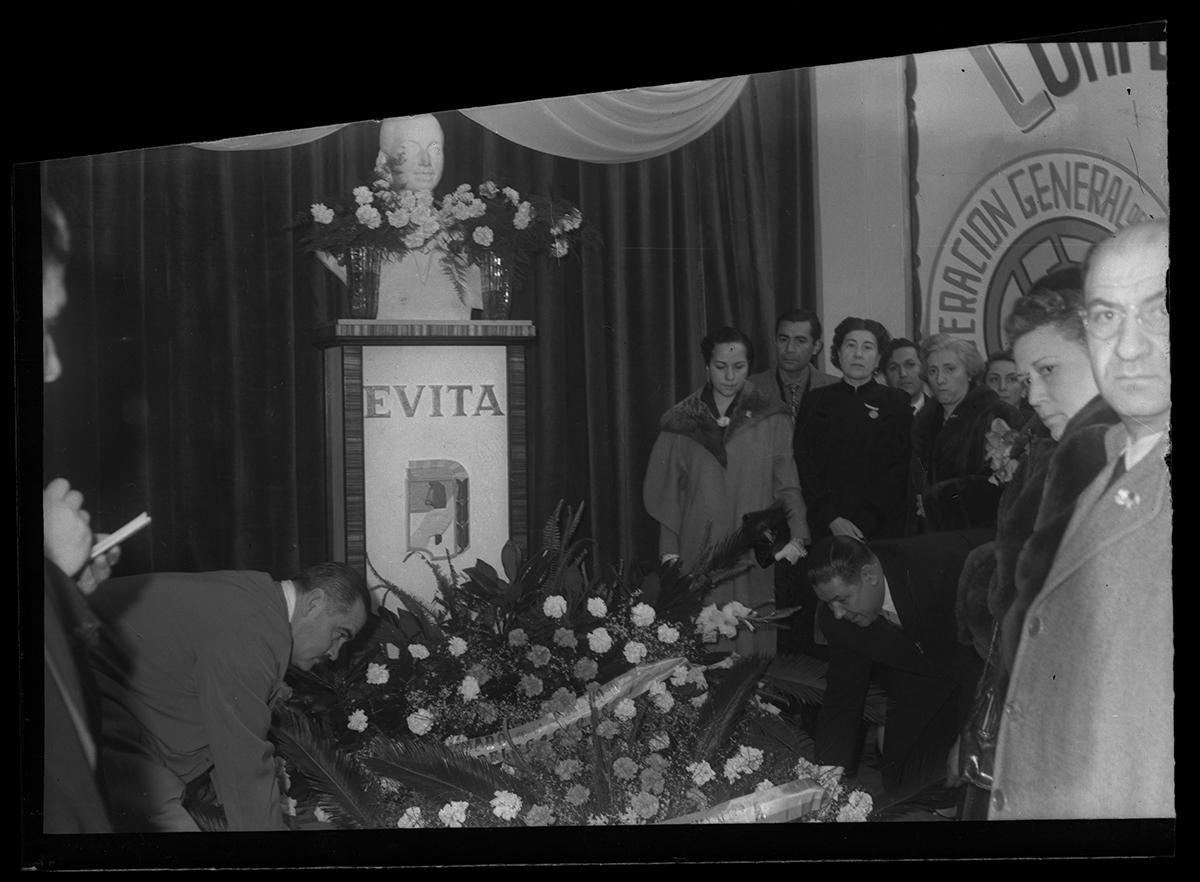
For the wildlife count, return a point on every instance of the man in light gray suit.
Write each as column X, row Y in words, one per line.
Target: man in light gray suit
column 797, row 343
column 1088, row 725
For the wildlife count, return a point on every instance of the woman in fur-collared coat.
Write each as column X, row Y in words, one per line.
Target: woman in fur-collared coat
column 721, row 453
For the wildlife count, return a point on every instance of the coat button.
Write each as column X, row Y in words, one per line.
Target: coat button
column 1035, row 626
column 998, row 800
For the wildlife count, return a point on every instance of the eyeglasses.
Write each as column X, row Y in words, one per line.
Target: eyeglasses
column 1104, row 321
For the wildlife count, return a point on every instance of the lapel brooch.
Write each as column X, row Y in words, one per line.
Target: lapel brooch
column 1126, row 499
column 872, row 412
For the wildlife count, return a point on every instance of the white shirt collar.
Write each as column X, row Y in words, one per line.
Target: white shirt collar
column 1135, row 451
column 888, row 604
column 289, row 596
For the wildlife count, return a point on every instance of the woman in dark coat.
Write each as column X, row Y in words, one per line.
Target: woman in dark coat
column 951, row 438
column 853, row 442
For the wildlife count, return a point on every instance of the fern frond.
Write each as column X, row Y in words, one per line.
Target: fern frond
column 429, row 626
column 437, row 770
column 550, row 534
column 341, row 787
column 451, row 270
column 725, row 704
column 573, row 523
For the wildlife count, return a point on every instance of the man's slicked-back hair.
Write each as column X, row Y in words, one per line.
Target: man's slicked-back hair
column 841, row 557
column 801, row 315
column 900, row 343
column 341, row 583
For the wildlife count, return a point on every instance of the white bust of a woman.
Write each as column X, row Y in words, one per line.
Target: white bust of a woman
column 415, row 287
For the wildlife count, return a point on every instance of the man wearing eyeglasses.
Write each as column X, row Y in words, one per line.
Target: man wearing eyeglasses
column 1088, row 724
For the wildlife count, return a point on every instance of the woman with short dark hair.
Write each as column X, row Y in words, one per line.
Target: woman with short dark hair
column 853, row 443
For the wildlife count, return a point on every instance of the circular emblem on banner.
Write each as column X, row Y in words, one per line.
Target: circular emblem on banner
column 1036, row 214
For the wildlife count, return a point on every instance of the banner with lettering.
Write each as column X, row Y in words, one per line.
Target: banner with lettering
column 1026, row 154
column 435, row 460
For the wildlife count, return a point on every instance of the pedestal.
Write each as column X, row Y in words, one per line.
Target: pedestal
column 426, row 447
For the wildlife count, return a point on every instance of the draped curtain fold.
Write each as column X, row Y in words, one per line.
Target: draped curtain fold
column 191, row 388
column 625, row 126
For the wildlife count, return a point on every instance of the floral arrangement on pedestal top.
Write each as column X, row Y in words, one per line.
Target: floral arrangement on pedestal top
column 466, row 226
column 553, row 695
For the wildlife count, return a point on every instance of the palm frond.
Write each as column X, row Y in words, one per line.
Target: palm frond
column 437, row 770
column 800, row 676
column 726, row 553
column 341, row 787
column 200, row 801
column 601, row 780
column 725, row 704
column 710, row 579
column 803, row 677
column 779, row 735
column 209, row 817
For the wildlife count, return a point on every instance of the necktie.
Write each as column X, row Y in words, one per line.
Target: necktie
column 794, row 395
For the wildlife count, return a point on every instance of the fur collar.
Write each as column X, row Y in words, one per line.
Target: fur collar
column 692, row 418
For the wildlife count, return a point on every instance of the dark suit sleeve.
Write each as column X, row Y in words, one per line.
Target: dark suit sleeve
column 936, row 563
column 808, row 444
column 846, row 683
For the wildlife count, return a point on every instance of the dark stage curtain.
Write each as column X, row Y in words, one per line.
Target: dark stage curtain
column 191, row 388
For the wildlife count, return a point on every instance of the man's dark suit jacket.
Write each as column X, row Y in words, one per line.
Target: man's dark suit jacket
column 924, row 665
column 73, row 800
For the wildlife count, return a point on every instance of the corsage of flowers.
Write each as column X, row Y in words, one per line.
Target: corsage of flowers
column 1002, row 442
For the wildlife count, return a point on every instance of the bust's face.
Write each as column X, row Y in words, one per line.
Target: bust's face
column 412, row 150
